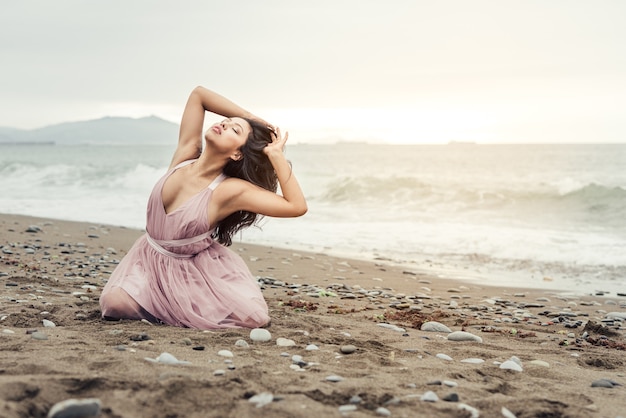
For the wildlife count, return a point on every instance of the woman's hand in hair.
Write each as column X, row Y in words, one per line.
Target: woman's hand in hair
column 278, row 143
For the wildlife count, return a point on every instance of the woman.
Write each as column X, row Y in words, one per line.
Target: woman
column 180, row 271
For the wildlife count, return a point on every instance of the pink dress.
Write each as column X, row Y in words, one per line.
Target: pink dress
column 180, row 276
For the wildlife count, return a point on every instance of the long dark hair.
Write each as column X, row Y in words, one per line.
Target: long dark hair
column 255, row 167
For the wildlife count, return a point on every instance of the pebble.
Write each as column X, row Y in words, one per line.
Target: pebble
column 473, row 411
column 262, row 399
column 311, row 347
column 260, row 335
column 8, row 331
column 39, row 335
column 348, row 349
column 444, row 357
column 347, row 408
column 241, row 343
column 464, row 336
column 612, row 315
column 604, row 383
column 506, row 413
column 285, row 342
column 539, row 363
column 511, row 365
column 391, row 327
column 452, row 397
column 48, row 324
column 334, row 378
column 166, row 358
column 219, row 372
column 473, row 360
column 74, row 408
column 433, row 326
column 225, row 353
column 429, row 396
column 383, row 412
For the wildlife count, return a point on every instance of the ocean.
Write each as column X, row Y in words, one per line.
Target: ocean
column 546, row 216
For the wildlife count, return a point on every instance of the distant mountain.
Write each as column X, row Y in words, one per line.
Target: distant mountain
column 108, row 130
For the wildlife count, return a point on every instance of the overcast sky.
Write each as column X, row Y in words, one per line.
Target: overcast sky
column 401, row 70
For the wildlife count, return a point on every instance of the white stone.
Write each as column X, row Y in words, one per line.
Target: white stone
column 347, row 408
column 540, row 363
column 429, row 396
column 392, row 327
column 261, row 399
column 334, row 378
column 383, row 412
column 473, row 360
column 285, row 342
column 511, row 365
column 225, row 353
column 464, row 336
column 166, row 358
column 473, row 411
column 311, row 347
column 86, row 408
column 444, row 357
column 48, row 324
column 260, row 335
column 507, row 414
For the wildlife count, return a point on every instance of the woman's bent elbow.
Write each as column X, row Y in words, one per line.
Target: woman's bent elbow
column 301, row 210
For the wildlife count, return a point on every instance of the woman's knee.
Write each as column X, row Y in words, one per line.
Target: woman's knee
column 117, row 304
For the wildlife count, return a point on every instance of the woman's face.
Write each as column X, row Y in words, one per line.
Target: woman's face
column 229, row 135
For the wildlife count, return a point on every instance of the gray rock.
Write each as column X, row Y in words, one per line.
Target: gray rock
column 241, row 343
column 613, row 315
column 348, row 349
column 433, row 326
column 39, row 335
column 604, row 383
column 464, row 336
column 451, row 397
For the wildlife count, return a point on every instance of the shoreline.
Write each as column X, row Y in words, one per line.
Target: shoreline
column 455, row 271
column 364, row 318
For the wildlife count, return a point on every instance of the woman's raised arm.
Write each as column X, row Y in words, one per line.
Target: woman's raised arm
column 190, row 136
column 252, row 198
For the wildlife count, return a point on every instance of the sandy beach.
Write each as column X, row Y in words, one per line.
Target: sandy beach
column 356, row 326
